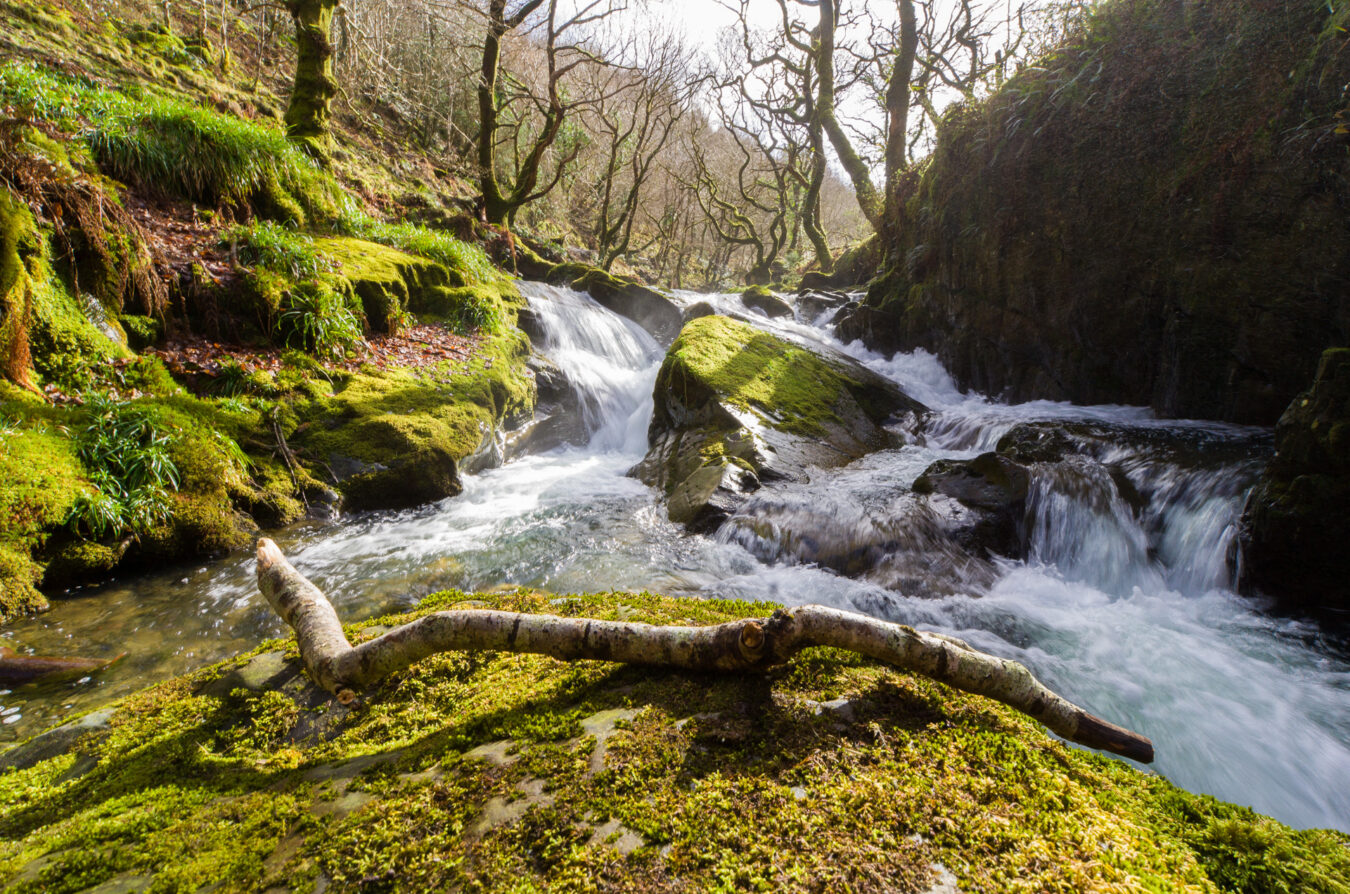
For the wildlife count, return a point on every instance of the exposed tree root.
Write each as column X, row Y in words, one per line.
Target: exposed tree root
column 334, row 664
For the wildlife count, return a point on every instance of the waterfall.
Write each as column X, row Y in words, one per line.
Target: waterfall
column 610, row 361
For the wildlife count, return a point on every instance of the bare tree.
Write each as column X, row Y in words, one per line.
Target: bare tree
column 504, row 192
column 636, row 108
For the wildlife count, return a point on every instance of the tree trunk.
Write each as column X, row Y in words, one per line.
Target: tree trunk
column 310, row 110
column 495, row 206
column 897, row 108
column 16, row 296
column 738, row 646
column 853, row 164
column 811, row 204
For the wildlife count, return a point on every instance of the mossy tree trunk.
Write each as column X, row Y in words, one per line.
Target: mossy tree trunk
column 310, row 111
column 868, row 199
column 17, row 240
column 502, row 200
column 897, row 109
column 735, row 647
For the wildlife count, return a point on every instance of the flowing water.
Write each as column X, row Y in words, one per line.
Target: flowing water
column 1124, row 603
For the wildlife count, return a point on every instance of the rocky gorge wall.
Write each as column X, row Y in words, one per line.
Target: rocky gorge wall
column 1154, row 214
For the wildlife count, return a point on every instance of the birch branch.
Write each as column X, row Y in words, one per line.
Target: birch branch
column 750, row 644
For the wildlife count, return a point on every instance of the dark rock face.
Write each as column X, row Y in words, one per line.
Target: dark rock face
column 1296, row 528
column 737, row 407
column 878, row 329
column 1186, row 254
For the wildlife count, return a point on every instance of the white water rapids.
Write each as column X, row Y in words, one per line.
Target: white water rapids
column 1125, row 604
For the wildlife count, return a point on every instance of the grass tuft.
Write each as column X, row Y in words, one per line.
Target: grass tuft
column 129, row 464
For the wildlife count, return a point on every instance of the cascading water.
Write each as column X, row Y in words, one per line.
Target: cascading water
column 1124, row 602
column 610, row 361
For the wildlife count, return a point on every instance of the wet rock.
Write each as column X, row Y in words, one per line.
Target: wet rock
column 736, row 407
column 410, row 480
column 652, row 310
column 989, row 481
column 1296, row 525
column 762, row 299
column 1037, row 443
column 813, row 304
column 558, row 419
column 911, row 544
column 57, row 740
column 698, row 309
column 261, row 673
column 994, row 488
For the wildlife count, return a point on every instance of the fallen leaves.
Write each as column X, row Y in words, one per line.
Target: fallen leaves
column 416, row 347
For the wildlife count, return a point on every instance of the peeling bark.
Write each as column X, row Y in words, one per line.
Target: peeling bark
column 755, row 643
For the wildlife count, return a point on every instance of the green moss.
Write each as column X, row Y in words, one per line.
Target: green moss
column 396, row 437
column 41, row 479
column 748, row 368
column 721, row 783
column 20, row 254
column 19, row 578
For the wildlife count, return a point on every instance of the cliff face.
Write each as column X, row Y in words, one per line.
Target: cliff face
column 1158, row 213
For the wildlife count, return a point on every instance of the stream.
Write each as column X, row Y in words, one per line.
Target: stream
column 1124, row 604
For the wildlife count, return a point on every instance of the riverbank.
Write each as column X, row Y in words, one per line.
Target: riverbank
column 490, row 771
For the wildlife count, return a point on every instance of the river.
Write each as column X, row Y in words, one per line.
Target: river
column 1124, row 604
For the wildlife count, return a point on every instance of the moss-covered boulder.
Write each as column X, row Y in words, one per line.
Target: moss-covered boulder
column 1297, row 522
column 736, row 406
column 492, row 772
column 1076, row 237
column 398, row 438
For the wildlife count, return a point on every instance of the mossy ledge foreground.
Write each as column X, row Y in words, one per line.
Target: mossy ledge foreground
column 496, row 772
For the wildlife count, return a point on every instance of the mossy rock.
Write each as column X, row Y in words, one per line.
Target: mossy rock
column 1047, row 251
column 399, row 438
column 386, row 281
column 489, row 771
column 763, row 299
column 736, row 406
column 41, row 478
column 1296, row 527
column 142, row 332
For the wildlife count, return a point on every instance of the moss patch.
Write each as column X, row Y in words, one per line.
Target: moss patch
column 509, row 772
column 397, row 437
column 797, row 390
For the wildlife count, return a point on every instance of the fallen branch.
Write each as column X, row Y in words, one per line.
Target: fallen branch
column 334, row 664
